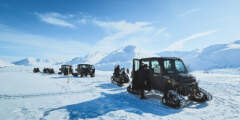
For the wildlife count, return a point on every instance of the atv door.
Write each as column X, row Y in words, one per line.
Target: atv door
column 156, row 77
column 135, row 68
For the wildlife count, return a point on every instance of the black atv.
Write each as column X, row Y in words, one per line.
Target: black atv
column 48, row 70
column 169, row 76
column 85, row 69
column 120, row 78
column 65, row 69
column 36, row 70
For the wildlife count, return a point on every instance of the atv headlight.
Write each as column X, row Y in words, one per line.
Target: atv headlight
column 169, row 81
column 172, row 81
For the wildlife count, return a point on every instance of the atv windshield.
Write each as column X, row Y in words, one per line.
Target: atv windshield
column 66, row 66
column 84, row 66
column 174, row 66
column 92, row 67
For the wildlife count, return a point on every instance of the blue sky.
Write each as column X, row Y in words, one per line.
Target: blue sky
column 68, row 28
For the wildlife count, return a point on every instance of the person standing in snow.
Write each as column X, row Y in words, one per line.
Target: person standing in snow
column 143, row 79
column 127, row 71
column 117, row 71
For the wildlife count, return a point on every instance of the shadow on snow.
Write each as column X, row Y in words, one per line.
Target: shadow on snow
column 114, row 102
column 110, row 87
column 60, row 77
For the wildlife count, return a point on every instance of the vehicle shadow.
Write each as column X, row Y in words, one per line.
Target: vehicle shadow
column 61, row 77
column 114, row 102
column 110, row 87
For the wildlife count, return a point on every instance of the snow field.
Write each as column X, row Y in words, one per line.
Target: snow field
column 30, row 96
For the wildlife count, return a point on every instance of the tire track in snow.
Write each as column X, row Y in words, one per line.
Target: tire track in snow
column 4, row 96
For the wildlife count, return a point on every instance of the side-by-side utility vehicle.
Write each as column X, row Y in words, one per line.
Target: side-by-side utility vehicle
column 168, row 76
column 85, row 69
column 65, row 69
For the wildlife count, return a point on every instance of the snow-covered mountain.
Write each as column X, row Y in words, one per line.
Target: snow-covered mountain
column 90, row 58
column 122, row 56
column 34, row 62
column 212, row 57
column 107, row 61
column 4, row 64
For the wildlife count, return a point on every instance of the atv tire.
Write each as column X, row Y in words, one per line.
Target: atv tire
column 201, row 96
column 75, row 74
column 171, row 99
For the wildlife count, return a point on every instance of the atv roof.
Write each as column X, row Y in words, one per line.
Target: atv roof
column 83, row 64
column 67, row 65
column 161, row 58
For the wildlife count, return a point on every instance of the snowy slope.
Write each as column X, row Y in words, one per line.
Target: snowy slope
column 28, row 96
column 106, row 61
column 4, row 64
column 122, row 56
column 34, row 62
column 90, row 58
column 219, row 56
column 212, row 57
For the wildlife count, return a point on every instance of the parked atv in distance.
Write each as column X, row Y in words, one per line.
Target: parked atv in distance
column 85, row 70
column 36, row 70
column 48, row 70
column 169, row 76
column 119, row 76
column 65, row 69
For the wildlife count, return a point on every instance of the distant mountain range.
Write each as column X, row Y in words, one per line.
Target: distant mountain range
column 214, row 56
column 5, row 64
column 90, row 58
column 30, row 61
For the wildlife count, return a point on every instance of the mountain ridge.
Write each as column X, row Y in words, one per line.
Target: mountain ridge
column 211, row 57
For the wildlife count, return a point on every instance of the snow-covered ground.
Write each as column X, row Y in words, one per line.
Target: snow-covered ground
column 28, row 96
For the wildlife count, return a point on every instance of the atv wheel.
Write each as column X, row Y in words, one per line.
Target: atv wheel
column 171, row 98
column 75, row 74
column 81, row 75
column 201, row 96
column 164, row 101
column 133, row 91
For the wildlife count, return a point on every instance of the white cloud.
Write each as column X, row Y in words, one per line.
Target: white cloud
column 123, row 25
column 56, row 19
column 189, row 12
column 121, row 33
column 178, row 45
column 42, row 45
